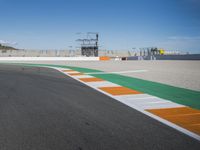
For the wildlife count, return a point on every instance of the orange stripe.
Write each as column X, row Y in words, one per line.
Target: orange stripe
column 103, row 58
column 68, row 70
column 173, row 111
column 91, row 79
column 195, row 128
column 185, row 117
column 75, row 74
column 119, row 90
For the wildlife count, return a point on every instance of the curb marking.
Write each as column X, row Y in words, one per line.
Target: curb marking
column 185, row 117
column 102, row 84
column 90, row 79
column 147, row 104
column 119, row 90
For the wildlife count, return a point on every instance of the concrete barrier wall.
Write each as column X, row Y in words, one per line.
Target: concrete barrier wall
column 39, row 53
column 61, row 53
column 178, row 57
column 11, row 59
column 166, row 57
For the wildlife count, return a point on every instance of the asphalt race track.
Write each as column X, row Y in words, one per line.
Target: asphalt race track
column 42, row 109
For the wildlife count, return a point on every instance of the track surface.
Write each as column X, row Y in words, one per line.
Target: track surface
column 42, row 109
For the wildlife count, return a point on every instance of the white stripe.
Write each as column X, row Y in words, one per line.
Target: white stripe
column 160, row 106
column 135, row 96
column 161, row 102
column 64, row 69
column 146, row 101
column 82, row 76
column 102, row 84
column 70, row 72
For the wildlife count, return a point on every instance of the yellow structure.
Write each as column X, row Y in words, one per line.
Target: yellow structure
column 161, row 51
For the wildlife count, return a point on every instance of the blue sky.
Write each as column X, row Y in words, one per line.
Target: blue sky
column 122, row 24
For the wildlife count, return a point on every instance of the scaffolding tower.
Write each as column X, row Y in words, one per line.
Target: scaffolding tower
column 89, row 45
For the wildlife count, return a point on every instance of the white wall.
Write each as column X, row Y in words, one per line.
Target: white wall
column 4, row 59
